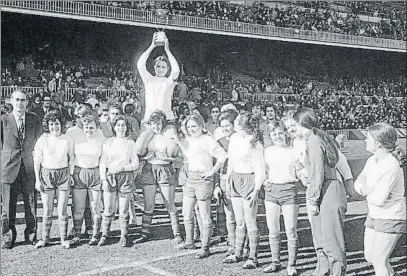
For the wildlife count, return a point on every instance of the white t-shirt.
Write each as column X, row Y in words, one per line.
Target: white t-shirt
column 387, row 201
column 54, row 152
column 158, row 95
column 201, row 151
column 281, row 164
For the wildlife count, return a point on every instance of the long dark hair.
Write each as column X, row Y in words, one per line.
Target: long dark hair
column 307, row 118
column 251, row 125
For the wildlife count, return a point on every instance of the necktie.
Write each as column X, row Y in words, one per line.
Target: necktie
column 20, row 128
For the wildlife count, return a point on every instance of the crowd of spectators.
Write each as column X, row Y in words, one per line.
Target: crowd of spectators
column 336, row 111
column 321, row 16
column 58, row 75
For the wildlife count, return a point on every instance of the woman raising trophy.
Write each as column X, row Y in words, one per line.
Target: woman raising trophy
column 159, row 88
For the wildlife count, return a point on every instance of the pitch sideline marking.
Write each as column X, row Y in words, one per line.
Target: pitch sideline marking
column 141, row 264
column 157, row 270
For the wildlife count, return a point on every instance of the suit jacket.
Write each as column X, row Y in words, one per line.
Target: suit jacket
column 14, row 151
column 40, row 111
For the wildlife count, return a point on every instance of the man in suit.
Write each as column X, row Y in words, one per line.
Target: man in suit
column 45, row 108
column 19, row 132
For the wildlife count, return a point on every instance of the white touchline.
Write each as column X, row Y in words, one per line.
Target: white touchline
column 157, row 270
column 141, row 264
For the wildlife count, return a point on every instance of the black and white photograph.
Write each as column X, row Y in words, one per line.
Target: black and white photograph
column 200, row 138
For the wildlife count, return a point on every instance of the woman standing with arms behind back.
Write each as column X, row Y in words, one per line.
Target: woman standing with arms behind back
column 325, row 195
column 382, row 181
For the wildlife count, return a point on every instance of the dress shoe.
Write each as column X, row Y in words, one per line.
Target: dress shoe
column 30, row 236
column 13, row 235
column 6, row 240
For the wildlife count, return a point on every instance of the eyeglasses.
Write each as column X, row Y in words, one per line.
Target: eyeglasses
column 215, row 111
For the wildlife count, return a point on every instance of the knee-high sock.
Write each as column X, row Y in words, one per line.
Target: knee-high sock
column 274, row 241
column 197, row 233
column 189, row 230
column 88, row 216
column 206, row 234
column 175, row 224
column 97, row 221
column 322, row 267
column 231, row 228
column 253, row 243
column 106, row 222
column 146, row 224
column 124, row 225
column 198, row 221
column 240, row 240
column 292, row 251
column 221, row 221
column 46, row 228
column 77, row 226
column 63, row 228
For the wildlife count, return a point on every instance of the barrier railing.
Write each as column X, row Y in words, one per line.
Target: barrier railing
column 6, row 91
column 336, row 132
column 126, row 14
column 258, row 97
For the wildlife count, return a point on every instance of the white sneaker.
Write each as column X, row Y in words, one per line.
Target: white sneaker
column 291, row 271
column 65, row 244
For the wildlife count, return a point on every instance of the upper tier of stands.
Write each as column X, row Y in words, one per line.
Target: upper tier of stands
column 258, row 20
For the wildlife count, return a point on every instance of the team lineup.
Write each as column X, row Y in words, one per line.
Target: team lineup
column 242, row 160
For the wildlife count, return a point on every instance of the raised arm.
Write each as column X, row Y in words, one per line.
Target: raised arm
column 142, row 61
column 173, row 62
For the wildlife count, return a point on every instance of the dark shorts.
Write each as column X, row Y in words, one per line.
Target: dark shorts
column 122, row 182
column 198, row 187
column 87, row 179
column 390, row 226
column 55, row 179
column 282, row 194
column 241, row 184
column 153, row 174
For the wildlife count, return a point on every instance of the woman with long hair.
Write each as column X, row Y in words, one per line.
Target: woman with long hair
column 325, row 194
column 53, row 168
column 226, row 122
column 245, row 174
column 88, row 150
column 198, row 188
column 382, row 182
column 118, row 162
column 281, row 189
column 159, row 172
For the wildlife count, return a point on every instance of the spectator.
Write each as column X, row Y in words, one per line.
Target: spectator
column 45, row 108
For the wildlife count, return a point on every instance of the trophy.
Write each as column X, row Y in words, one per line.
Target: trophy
column 163, row 16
